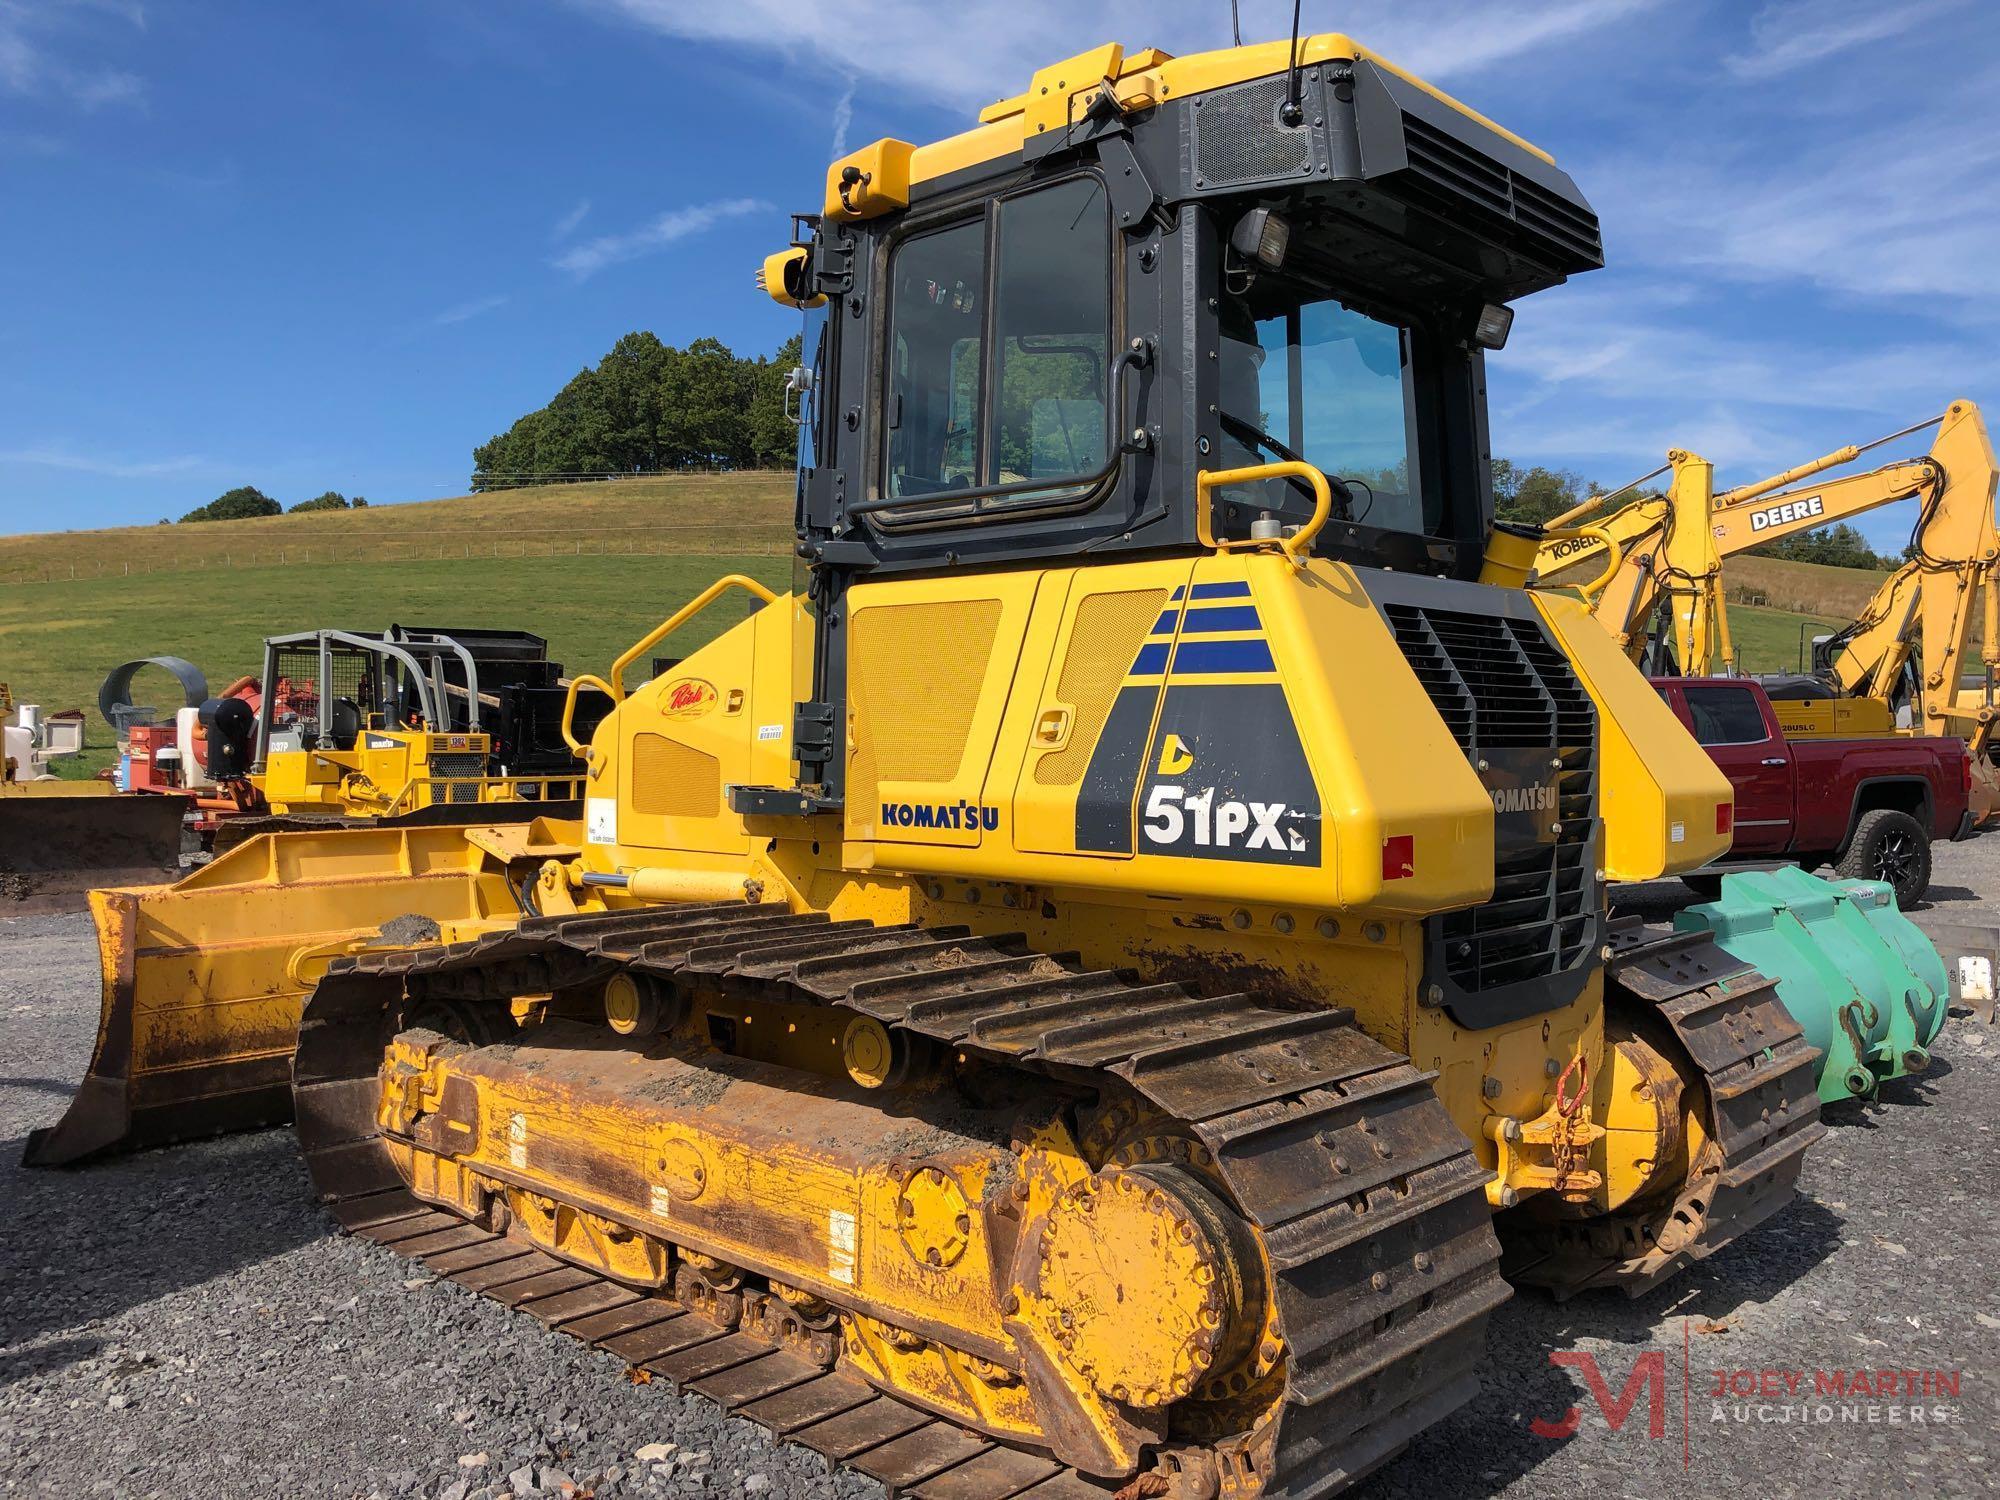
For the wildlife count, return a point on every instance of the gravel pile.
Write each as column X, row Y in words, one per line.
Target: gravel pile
column 186, row 1322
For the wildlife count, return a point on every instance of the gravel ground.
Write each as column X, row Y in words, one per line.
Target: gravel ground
column 186, row 1322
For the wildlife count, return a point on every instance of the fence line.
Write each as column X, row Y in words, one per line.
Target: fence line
column 438, row 547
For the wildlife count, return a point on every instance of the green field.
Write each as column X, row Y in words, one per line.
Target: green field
column 57, row 640
column 592, row 567
column 708, row 514
column 1768, row 640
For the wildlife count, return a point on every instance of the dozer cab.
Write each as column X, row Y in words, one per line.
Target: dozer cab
column 1058, row 1002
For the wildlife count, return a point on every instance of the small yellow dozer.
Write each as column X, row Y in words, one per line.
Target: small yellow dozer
column 1055, row 1006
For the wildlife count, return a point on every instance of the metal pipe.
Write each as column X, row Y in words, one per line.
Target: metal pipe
column 1827, row 461
column 1592, row 502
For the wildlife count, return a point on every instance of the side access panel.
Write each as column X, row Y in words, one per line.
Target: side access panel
column 930, row 665
column 683, row 740
column 1093, row 723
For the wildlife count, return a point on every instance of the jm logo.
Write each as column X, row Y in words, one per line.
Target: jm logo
column 1648, row 1377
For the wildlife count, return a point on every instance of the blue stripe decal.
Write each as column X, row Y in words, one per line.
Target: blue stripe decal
column 1151, row 661
column 1223, row 617
column 1217, row 591
column 1222, row 656
column 1165, row 624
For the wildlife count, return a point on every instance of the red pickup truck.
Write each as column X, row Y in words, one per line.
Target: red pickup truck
column 1867, row 805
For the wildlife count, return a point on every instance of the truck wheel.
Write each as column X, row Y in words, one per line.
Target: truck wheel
column 1892, row 846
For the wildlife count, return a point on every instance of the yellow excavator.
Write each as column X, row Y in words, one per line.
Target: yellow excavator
column 1918, row 628
column 1663, row 555
column 1054, row 1006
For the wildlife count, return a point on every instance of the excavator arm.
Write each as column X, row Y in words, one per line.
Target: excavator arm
column 1672, row 545
column 1926, row 609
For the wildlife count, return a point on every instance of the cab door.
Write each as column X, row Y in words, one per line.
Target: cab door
column 1730, row 724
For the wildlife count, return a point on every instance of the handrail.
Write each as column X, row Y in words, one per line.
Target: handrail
column 679, row 618
column 614, row 689
column 1294, row 546
column 1614, row 554
column 587, row 679
column 405, row 797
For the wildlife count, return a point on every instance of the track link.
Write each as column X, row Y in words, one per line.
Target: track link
column 1369, row 1201
column 1759, row 1073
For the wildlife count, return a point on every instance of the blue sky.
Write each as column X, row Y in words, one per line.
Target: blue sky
column 335, row 246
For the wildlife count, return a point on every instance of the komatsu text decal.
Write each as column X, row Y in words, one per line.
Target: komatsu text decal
column 940, row 815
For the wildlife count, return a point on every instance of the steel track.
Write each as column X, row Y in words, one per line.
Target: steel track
column 1366, row 1196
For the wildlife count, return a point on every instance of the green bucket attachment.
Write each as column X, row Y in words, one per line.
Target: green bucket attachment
column 1866, row 987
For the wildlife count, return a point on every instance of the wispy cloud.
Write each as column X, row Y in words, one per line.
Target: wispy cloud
column 464, row 312
column 564, row 227
column 843, row 117
column 669, row 228
column 1793, row 34
column 1911, row 209
column 110, row 468
column 37, row 42
column 921, row 48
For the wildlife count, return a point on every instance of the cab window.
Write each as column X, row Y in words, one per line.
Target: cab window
column 1725, row 716
column 998, row 360
column 937, row 316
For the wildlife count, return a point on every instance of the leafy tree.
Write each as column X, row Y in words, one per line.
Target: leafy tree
column 648, row 407
column 236, row 505
column 1835, row 546
column 331, row 500
column 1535, row 495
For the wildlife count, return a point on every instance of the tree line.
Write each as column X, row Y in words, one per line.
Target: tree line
column 247, row 500
column 648, row 408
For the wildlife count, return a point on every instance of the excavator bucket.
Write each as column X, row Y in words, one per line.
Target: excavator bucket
column 203, row 980
column 60, row 839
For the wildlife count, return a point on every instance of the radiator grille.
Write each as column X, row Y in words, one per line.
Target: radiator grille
column 1472, row 180
column 1238, row 138
column 672, row 780
column 459, row 765
column 1500, row 685
column 1109, row 630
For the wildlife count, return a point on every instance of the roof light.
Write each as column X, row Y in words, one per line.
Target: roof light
column 1261, row 235
column 1496, row 320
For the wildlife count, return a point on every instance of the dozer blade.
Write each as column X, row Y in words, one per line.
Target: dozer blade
column 234, row 831
column 203, row 979
column 58, row 840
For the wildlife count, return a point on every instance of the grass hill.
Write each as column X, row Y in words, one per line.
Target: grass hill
column 591, row 567
column 696, row 513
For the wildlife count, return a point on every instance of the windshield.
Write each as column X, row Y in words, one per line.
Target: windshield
column 1325, row 382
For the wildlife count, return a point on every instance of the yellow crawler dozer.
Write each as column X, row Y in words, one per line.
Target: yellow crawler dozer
column 1055, row 1006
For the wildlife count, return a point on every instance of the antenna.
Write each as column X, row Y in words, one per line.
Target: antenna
column 1235, row 24
column 1291, row 114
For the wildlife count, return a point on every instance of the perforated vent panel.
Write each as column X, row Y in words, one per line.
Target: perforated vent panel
column 455, row 766
column 1501, row 686
column 672, row 780
column 1110, row 628
column 915, row 672
column 1237, row 137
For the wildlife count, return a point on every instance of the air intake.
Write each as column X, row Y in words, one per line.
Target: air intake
column 1564, row 233
column 1512, row 701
